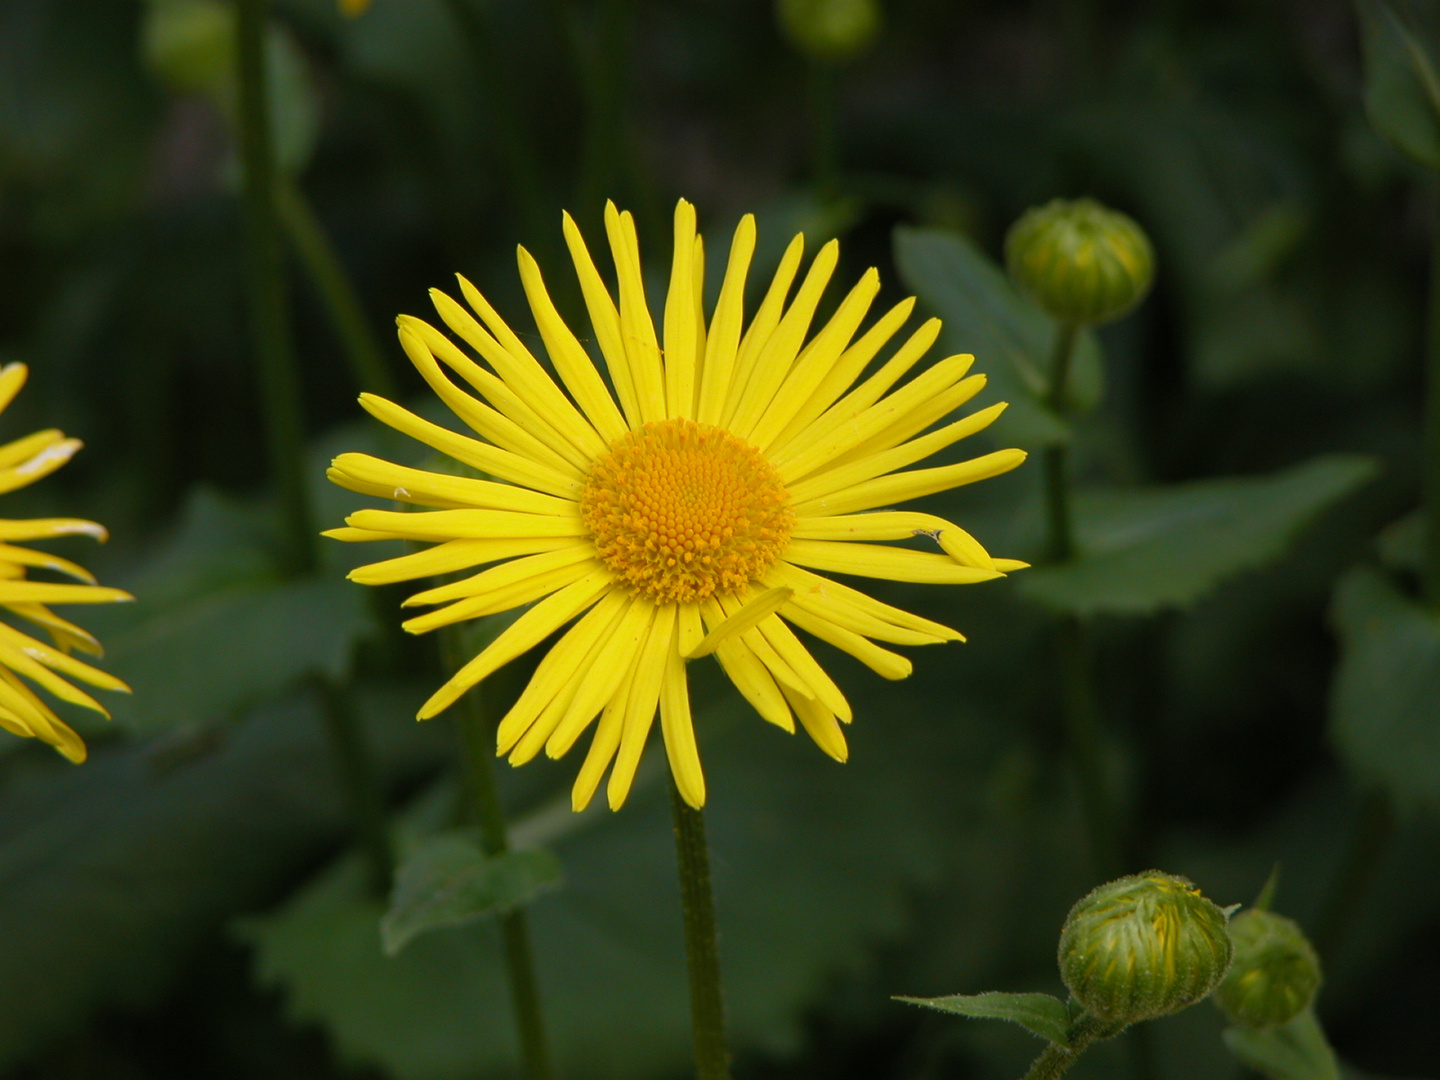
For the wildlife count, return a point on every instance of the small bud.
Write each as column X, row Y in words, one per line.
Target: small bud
column 1276, row 973
column 1083, row 263
column 1142, row 947
column 831, row 31
column 190, row 45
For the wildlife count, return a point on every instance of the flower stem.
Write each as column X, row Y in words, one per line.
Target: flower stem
column 1430, row 497
column 477, row 741
column 1369, row 844
column 1055, row 1059
column 337, row 292
column 358, row 780
column 1082, row 708
column 274, row 354
column 707, row 1007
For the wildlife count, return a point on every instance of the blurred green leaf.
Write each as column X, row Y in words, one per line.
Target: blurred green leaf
column 448, row 880
column 813, row 864
column 119, row 871
column 1012, row 339
column 1040, row 1014
column 216, row 629
column 1145, row 549
column 1401, row 42
column 1294, row 1050
column 1386, row 694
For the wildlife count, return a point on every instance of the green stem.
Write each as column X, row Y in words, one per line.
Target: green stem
column 337, row 293
column 477, row 740
column 1082, row 708
column 274, row 355
column 1055, row 1059
column 358, row 780
column 1430, row 497
column 517, row 154
column 707, row 1007
column 1082, row 735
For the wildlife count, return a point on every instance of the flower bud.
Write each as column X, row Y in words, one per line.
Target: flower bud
column 1276, row 973
column 830, row 31
column 1082, row 263
column 1142, row 947
column 190, row 45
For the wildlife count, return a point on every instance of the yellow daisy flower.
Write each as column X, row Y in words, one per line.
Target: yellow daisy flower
column 23, row 462
column 687, row 513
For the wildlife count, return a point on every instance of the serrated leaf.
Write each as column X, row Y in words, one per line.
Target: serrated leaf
column 1386, row 695
column 1294, row 1050
column 1144, row 549
column 1401, row 44
column 1012, row 339
column 448, row 880
column 1040, row 1014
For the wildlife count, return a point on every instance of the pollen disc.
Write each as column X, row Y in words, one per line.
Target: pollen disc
column 681, row 511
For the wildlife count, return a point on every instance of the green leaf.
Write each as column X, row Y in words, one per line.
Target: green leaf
column 1402, row 89
column 215, row 628
column 1012, row 339
column 448, row 880
column 1294, row 1050
column 1144, row 549
column 1383, row 702
column 808, row 878
column 1040, row 1014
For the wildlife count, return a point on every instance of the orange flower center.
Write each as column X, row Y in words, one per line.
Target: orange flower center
column 681, row 511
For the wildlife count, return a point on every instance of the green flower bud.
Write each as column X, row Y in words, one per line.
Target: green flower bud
column 1082, row 263
column 1142, row 947
column 830, row 31
column 190, row 45
column 1276, row 973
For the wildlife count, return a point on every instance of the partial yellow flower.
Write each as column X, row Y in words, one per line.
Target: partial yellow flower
column 354, row 8
column 49, row 667
column 683, row 514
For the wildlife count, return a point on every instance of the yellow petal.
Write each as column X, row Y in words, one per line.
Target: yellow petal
column 615, row 656
column 524, row 633
column 571, row 361
column 834, row 600
column 473, row 452
column 762, row 326
column 38, row 528
column 756, row 608
column 606, row 320
column 678, row 729
column 486, row 582
column 883, row 662
column 819, row 723
column 898, row 487
column 452, row 555
column 411, row 485
column 817, row 360
column 637, row 331
column 466, row 524
column 844, row 372
column 45, row 561
column 881, row 561
column 502, row 599
column 681, row 336
column 44, row 592
column 822, row 687
column 641, row 704
column 776, row 358
column 897, row 525
column 724, row 338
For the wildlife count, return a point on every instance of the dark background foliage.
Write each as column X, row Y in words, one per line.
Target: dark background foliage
column 187, row 903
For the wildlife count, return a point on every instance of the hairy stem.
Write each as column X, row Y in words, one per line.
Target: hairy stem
column 707, row 1008
column 1430, row 499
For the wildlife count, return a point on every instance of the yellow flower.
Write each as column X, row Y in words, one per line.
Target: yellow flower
column 683, row 515
column 23, row 462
